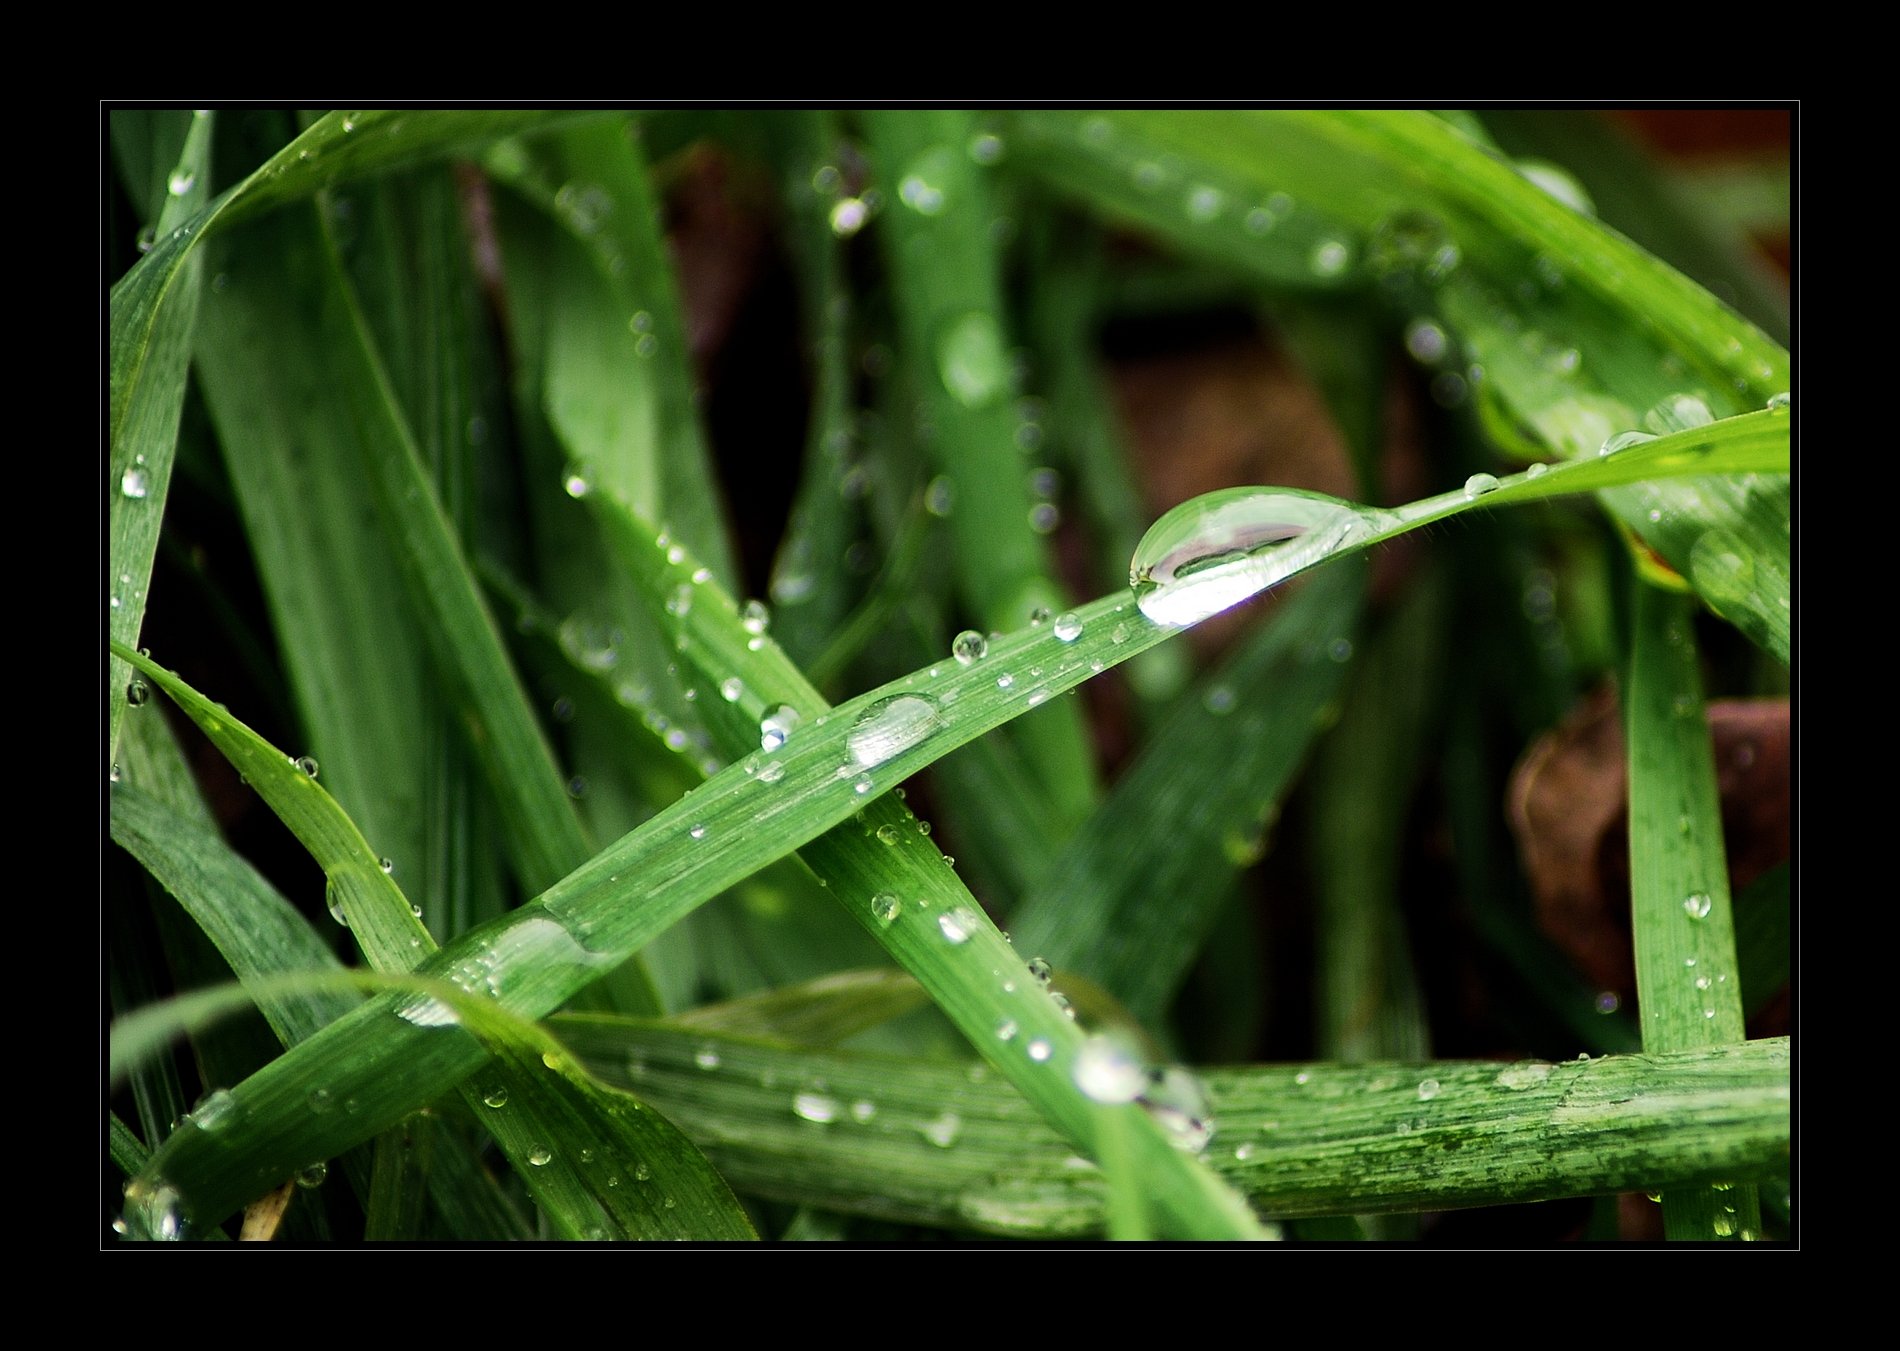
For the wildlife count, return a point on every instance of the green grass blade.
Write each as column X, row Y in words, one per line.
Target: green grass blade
column 1688, row 983
column 819, row 1012
column 636, row 1177
column 1371, row 1004
column 1136, row 889
column 618, row 378
column 542, row 954
column 867, row 1134
column 1609, row 341
column 147, row 396
column 256, row 929
column 811, row 588
column 1662, row 212
column 948, row 297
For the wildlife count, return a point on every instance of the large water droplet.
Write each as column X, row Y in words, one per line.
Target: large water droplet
column 133, row 482
column 137, row 692
column 890, row 726
column 972, row 361
column 1108, row 1070
column 1698, row 905
column 1480, row 484
column 886, row 907
column 1215, row 551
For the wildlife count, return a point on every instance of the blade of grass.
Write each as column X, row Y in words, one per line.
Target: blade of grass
column 545, row 1112
column 546, row 951
column 1136, row 890
column 810, row 585
column 598, row 1194
column 152, row 311
column 1571, row 355
column 148, row 396
column 1300, row 1140
column 1688, row 988
column 1371, row 1006
column 948, row 299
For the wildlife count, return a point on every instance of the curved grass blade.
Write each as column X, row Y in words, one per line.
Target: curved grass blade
column 1688, row 983
column 925, row 1142
column 542, row 954
column 378, row 914
column 152, row 309
column 1580, row 335
column 637, row 1178
column 144, row 429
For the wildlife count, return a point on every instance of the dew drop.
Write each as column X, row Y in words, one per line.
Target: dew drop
column 731, row 688
column 754, row 617
column 133, row 482
column 863, row 1110
column 1213, row 552
column 1623, row 441
column 1780, row 403
column 496, row 1096
column 1108, row 1070
column 1329, row 258
column 1006, row 1030
column 815, row 1107
column 848, row 217
column 1039, row 968
column 1607, row 1002
column 313, row 1176
column 891, row 726
column 540, row 1156
column 958, row 924
column 986, row 147
column 577, row 485
column 1426, row 341
column 706, row 1058
column 1480, row 484
column 777, row 727
column 1427, row 1089
column 137, row 692
column 308, row 764
column 1204, row 204
column 1698, row 905
column 1040, row 1050
column 1178, row 1101
column 943, row 1130
column 886, row 907
column 969, row 646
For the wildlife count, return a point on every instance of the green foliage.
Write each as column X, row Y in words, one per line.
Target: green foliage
column 627, row 858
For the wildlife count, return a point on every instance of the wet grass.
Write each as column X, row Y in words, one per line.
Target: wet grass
column 552, row 774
